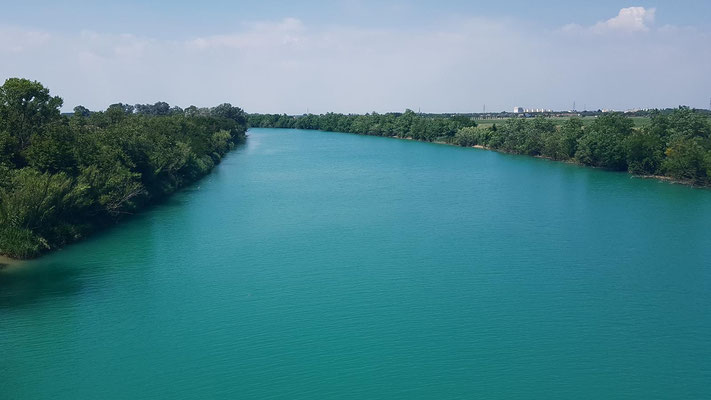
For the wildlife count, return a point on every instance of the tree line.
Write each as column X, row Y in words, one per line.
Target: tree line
column 64, row 176
column 403, row 125
column 675, row 143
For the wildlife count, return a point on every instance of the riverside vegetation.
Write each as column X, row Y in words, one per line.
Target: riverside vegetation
column 673, row 145
column 62, row 177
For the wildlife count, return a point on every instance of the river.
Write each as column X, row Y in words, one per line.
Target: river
column 325, row 265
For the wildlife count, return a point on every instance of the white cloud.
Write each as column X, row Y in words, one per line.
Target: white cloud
column 631, row 19
column 628, row 20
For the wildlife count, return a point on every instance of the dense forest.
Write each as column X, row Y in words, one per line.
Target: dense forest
column 62, row 177
column 674, row 144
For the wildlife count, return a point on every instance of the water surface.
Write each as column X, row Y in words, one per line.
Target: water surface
column 323, row 265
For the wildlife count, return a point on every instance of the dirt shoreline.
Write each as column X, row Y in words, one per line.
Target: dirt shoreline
column 7, row 263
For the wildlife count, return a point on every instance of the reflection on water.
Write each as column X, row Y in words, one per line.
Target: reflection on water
column 28, row 284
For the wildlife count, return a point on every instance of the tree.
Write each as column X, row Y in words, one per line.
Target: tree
column 686, row 159
column 645, row 152
column 602, row 143
column 191, row 111
column 125, row 108
column 30, row 210
column 81, row 111
column 534, row 135
column 8, row 145
column 24, row 107
column 226, row 110
column 118, row 112
column 159, row 108
column 571, row 131
column 62, row 177
column 562, row 143
column 52, row 148
column 175, row 110
column 687, row 123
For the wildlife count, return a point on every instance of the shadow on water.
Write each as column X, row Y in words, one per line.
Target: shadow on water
column 27, row 285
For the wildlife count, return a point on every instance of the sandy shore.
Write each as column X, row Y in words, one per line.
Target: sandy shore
column 8, row 263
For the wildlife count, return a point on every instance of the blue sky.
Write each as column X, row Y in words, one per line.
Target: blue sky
column 185, row 18
column 359, row 56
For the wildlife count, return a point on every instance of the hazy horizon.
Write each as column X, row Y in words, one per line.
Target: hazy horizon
column 363, row 56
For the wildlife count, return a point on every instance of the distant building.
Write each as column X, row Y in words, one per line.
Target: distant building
column 518, row 110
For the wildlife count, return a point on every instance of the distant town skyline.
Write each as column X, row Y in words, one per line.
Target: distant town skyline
column 364, row 56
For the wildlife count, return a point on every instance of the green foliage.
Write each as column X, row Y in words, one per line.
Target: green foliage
column 687, row 137
column 25, row 106
column 687, row 160
column 8, row 146
column 645, row 153
column 689, row 124
column 471, row 136
column 602, row 143
column 52, row 148
column 563, row 143
column 404, row 125
column 61, row 178
column 533, row 140
column 81, row 111
column 32, row 209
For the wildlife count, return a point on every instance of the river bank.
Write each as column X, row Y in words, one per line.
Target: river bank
column 7, row 263
column 663, row 178
column 667, row 179
column 106, row 165
column 612, row 141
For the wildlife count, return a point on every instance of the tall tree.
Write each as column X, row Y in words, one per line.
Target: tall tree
column 24, row 107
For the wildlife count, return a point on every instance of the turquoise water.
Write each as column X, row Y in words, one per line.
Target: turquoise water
column 323, row 265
